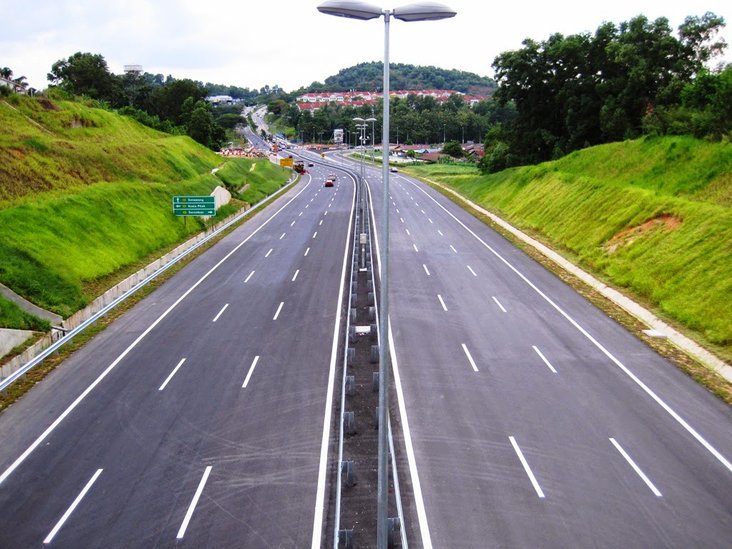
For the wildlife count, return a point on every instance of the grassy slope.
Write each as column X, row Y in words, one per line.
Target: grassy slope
column 594, row 204
column 77, row 204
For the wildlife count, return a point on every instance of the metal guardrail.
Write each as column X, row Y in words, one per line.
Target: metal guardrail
column 12, row 378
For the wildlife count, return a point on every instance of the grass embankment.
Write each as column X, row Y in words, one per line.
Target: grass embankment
column 85, row 194
column 652, row 216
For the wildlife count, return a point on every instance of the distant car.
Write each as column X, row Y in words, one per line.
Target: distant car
column 328, row 183
column 332, row 176
column 310, row 164
column 393, row 169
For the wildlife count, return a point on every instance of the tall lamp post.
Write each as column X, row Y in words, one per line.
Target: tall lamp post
column 373, row 136
column 418, row 11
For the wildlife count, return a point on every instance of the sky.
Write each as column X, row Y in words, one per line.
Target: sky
column 288, row 42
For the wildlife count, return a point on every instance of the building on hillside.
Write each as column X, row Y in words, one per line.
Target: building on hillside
column 312, row 101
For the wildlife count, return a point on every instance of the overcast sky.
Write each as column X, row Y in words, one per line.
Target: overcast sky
column 288, row 42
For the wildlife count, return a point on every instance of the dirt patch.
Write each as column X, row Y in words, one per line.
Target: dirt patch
column 627, row 236
column 47, row 104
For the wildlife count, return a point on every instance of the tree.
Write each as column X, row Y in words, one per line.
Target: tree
column 87, row 74
column 454, row 149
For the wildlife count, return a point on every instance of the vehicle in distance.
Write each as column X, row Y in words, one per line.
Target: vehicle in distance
column 393, row 169
column 310, row 164
column 328, row 182
column 332, row 176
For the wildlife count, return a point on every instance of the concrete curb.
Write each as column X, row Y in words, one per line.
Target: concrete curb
column 690, row 347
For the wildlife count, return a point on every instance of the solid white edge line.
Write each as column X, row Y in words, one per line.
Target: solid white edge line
column 279, row 309
column 424, row 528
column 499, row 303
column 220, row 312
column 541, row 355
column 327, row 417
column 194, row 502
column 132, row 345
column 442, row 302
column 528, row 470
column 250, row 276
column 175, row 370
column 250, row 372
column 74, row 504
column 470, row 358
column 681, row 421
column 637, row 469
column 426, row 270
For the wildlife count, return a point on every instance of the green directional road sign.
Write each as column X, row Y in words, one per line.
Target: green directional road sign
column 194, row 205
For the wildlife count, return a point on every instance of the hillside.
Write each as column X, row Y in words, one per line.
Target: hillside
column 651, row 215
column 86, row 194
column 369, row 77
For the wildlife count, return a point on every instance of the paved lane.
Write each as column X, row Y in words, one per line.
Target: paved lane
column 535, row 419
column 172, row 446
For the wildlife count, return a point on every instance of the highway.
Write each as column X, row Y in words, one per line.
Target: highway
column 533, row 419
column 201, row 417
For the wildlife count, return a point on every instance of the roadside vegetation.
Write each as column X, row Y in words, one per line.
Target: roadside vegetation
column 86, row 193
column 651, row 216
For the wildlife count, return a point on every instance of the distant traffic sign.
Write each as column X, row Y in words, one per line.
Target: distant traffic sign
column 194, row 205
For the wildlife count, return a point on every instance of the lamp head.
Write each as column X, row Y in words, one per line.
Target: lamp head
column 354, row 9
column 423, row 11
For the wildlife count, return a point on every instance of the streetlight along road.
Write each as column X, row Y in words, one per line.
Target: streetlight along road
column 418, row 11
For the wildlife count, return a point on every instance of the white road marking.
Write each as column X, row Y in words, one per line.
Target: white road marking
column 408, row 233
column 278, row 311
column 175, row 370
column 292, row 224
column 300, row 214
column 269, row 252
column 194, row 502
column 72, row 507
column 220, row 313
column 397, row 210
column 250, row 276
column 321, row 222
column 442, row 302
column 328, row 415
column 315, row 234
column 471, row 270
column 28, row 451
column 538, row 352
column 295, row 275
column 306, row 252
column 283, row 236
column 440, row 232
column 307, row 206
column 251, row 371
column 426, row 270
column 325, row 213
column 401, row 219
column 532, row 478
column 453, row 248
column 430, row 220
column 415, row 247
column 498, row 303
column 470, row 357
column 637, row 469
column 681, row 421
column 422, row 210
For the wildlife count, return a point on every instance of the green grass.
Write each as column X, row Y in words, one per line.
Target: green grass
column 86, row 194
column 17, row 319
column 593, row 205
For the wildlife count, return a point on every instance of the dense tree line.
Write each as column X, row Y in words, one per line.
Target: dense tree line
column 163, row 103
column 414, row 119
column 618, row 83
column 369, row 77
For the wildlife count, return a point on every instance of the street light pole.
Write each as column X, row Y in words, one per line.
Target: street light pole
column 418, row 11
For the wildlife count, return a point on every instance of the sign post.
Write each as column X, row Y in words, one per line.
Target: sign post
column 194, row 206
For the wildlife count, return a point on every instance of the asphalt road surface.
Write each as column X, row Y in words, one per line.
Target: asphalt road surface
column 197, row 419
column 534, row 419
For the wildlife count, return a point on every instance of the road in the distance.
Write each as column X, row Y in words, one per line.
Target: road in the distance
column 200, row 413
column 536, row 420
